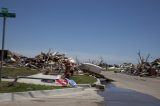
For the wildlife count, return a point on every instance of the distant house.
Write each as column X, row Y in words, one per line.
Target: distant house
column 126, row 65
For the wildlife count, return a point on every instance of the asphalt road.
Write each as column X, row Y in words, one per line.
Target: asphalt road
column 129, row 90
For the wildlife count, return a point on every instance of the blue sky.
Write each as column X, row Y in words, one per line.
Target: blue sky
column 113, row 29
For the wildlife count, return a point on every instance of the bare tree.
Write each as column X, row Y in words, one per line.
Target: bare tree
column 142, row 59
column 101, row 60
column 148, row 56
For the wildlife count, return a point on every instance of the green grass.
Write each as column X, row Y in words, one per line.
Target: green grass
column 21, row 87
column 13, row 72
column 83, row 79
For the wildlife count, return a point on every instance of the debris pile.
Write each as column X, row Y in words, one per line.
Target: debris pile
column 144, row 68
column 156, row 65
column 50, row 63
column 55, row 63
column 56, row 68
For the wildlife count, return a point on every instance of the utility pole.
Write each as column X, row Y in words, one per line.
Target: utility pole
column 4, row 13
